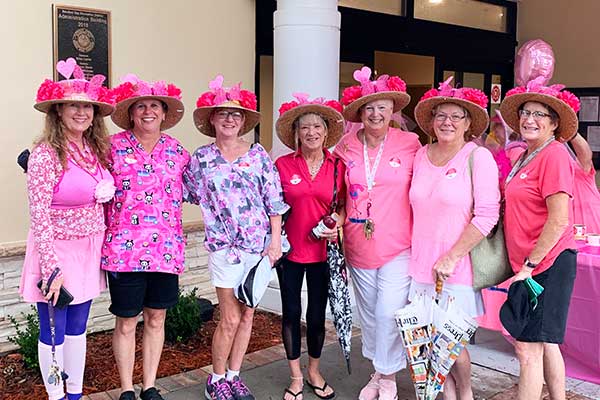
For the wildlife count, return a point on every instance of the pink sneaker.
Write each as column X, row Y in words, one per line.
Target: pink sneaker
column 371, row 389
column 387, row 389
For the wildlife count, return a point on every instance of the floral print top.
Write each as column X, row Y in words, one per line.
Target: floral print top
column 145, row 231
column 236, row 198
column 50, row 189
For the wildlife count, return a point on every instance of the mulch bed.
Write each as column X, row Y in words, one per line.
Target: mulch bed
column 18, row 383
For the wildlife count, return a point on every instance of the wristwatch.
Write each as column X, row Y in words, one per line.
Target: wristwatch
column 529, row 264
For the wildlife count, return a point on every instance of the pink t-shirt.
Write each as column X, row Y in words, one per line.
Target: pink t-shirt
column 586, row 199
column 144, row 231
column 550, row 172
column 309, row 200
column 444, row 202
column 390, row 209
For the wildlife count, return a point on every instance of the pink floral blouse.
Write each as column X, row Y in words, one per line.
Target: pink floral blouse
column 145, row 231
column 50, row 218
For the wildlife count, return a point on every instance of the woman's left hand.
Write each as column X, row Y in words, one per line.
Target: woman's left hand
column 444, row 267
column 273, row 251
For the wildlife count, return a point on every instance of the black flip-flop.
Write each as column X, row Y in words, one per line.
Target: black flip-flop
column 288, row 391
column 322, row 389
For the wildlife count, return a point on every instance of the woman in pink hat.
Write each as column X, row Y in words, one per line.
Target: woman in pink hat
column 378, row 161
column 308, row 176
column 538, row 219
column 67, row 182
column 238, row 190
column 455, row 199
column 144, row 246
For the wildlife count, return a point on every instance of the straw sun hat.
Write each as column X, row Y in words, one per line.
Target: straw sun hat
column 223, row 97
column 563, row 102
column 77, row 89
column 385, row 87
column 133, row 89
column 473, row 100
column 329, row 110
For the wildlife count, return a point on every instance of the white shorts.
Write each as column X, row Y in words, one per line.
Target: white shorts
column 223, row 274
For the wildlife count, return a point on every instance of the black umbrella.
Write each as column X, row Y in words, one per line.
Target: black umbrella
column 339, row 298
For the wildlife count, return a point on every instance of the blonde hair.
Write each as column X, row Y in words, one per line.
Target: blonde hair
column 96, row 136
column 296, row 125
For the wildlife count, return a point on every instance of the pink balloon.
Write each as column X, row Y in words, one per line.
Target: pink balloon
column 534, row 59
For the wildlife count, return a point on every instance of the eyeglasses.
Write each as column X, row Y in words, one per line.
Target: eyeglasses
column 537, row 115
column 236, row 115
column 441, row 117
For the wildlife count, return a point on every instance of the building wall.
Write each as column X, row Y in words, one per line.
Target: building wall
column 183, row 41
column 572, row 29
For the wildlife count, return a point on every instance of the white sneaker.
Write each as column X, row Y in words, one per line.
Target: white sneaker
column 387, row 389
column 371, row 389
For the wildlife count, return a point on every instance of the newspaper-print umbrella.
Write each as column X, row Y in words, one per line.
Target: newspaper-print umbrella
column 339, row 298
column 433, row 338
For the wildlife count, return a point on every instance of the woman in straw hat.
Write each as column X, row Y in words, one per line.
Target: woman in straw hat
column 144, row 246
column 537, row 221
column 307, row 177
column 238, row 190
column 67, row 182
column 455, row 201
column 378, row 161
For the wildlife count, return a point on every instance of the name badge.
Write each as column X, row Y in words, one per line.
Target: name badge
column 395, row 162
column 295, row 179
column 451, row 173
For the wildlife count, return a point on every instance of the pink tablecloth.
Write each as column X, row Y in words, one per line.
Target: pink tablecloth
column 581, row 348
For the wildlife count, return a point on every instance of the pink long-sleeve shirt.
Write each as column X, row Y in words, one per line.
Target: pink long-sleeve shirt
column 444, row 202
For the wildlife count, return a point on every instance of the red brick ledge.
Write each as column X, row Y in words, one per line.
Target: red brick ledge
column 198, row 376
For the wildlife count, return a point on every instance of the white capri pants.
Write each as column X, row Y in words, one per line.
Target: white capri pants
column 379, row 293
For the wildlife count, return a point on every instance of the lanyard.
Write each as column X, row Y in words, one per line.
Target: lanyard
column 370, row 173
column 523, row 161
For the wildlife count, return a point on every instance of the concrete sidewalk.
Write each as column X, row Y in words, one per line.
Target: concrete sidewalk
column 267, row 374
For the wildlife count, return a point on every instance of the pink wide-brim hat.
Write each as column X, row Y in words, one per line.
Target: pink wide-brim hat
column 383, row 88
column 74, row 89
column 473, row 100
column 289, row 112
column 223, row 97
column 132, row 89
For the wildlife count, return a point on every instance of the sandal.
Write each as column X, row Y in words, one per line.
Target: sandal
column 288, row 391
column 322, row 390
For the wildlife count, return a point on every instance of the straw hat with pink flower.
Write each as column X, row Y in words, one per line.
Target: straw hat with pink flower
column 563, row 102
column 223, row 97
column 473, row 100
column 385, row 87
column 133, row 89
column 329, row 110
column 74, row 88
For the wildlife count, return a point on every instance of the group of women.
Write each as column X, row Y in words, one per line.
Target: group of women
column 410, row 215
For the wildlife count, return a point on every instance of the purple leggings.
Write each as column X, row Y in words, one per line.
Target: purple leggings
column 71, row 320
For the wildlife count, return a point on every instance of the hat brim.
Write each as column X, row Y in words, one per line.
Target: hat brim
column 351, row 111
column 104, row 109
column 424, row 117
column 202, row 119
column 335, row 123
column 175, row 110
column 568, row 124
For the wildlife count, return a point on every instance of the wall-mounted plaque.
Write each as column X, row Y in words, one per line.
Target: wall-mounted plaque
column 84, row 34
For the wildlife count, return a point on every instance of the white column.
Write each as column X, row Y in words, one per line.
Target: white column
column 306, row 54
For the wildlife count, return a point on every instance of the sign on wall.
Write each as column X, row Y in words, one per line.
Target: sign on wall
column 84, row 34
column 496, row 93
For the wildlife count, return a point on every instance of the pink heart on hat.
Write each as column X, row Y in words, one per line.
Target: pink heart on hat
column 66, row 68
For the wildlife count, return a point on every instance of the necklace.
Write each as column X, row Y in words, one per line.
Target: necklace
column 85, row 159
column 526, row 159
column 441, row 162
column 315, row 168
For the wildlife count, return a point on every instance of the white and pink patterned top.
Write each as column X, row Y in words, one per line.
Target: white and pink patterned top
column 145, row 231
column 61, row 203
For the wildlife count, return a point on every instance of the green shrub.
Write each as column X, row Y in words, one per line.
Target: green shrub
column 27, row 338
column 183, row 320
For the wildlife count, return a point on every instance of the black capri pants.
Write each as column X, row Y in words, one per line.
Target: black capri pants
column 290, row 276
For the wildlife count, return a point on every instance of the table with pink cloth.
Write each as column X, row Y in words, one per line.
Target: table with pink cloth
column 581, row 348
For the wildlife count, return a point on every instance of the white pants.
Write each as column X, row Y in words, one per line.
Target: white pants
column 379, row 293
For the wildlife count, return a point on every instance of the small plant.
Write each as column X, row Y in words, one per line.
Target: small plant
column 183, row 320
column 27, row 338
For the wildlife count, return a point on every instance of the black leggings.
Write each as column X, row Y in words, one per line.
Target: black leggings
column 290, row 276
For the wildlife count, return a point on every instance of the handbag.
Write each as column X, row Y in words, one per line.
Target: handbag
column 489, row 258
